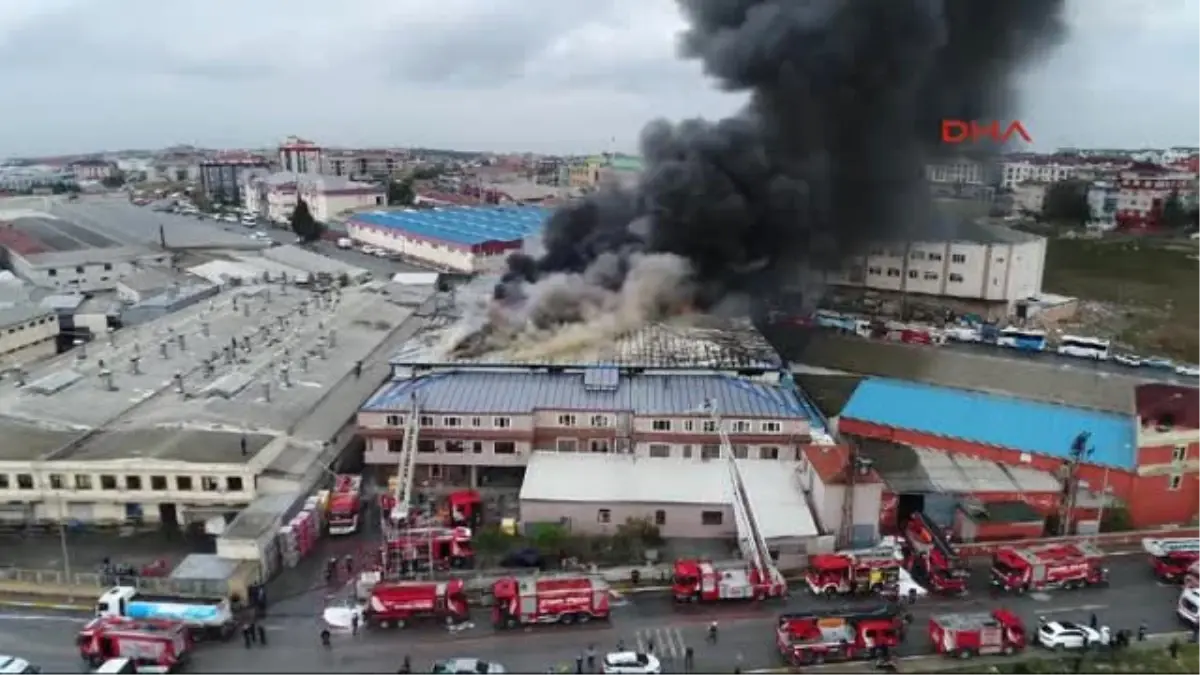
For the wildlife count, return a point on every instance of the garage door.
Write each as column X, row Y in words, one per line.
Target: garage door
column 80, row 511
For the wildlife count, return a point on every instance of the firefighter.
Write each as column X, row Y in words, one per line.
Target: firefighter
column 1093, row 621
column 349, row 562
column 247, row 635
column 579, row 665
column 1142, row 630
column 591, row 658
column 689, row 659
column 330, row 570
column 712, row 632
column 325, row 638
column 406, row 667
column 262, row 635
column 354, row 623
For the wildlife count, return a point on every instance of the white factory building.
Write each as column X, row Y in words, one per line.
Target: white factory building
column 988, row 268
column 273, row 196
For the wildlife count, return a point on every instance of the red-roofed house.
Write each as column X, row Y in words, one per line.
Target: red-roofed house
column 823, row 477
column 1168, row 447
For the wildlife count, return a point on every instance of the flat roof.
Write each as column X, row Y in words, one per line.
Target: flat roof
column 463, row 225
column 248, row 397
column 313, row 263
column 780, row 508
column 555, row 477
column 55, row 234
column 115, row 218
column 10, row 316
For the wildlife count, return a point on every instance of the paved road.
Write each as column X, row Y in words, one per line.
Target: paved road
column 1134, row 597
column 1071, row 363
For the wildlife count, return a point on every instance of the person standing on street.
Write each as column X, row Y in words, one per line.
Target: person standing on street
column 591, row 658
column 262, row 635
column 689, row 659
column 247, row 635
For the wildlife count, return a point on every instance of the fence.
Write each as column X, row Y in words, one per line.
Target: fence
column 1106, row 540
column 52, row 582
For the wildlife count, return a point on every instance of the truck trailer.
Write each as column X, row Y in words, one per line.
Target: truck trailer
column 208, row 617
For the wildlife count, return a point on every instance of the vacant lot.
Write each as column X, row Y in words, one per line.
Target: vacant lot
column 1145, row 291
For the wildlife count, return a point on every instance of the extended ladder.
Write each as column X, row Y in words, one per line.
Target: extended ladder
column 407, row 469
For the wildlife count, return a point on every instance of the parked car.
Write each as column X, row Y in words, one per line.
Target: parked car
column 631, row 663
column 1188, row 370
column 467, row 666
column 1067, row 635
column 1158, row 362
column 1130, row 360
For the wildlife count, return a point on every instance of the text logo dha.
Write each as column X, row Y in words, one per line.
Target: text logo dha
column 961, row 131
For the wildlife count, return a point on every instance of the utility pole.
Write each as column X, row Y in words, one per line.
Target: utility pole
column 1079, row 451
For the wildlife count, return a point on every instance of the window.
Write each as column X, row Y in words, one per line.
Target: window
column 999, row 260
column 771, row 427
column 874, row 271
column 913, row 274
column 598, row 445
column 958, row 258
column 452, row 422
column 25, row 481
column 504, row 448
column 4, row 484
column 133, row 482
column 599, row 421
column 740, row 426
column 476, row 422
column 710, row 451
column 501, row 422
column 79, row 270
column 566, row 445
column 107, row 267
column 395, row 445
column 426, row 421
column 183, row 483
column 930, row 276
column 1176, row 481
column 741, row 451
column 936, row 257
column 711, row 518
column 689, row 426
column 158, row 483
column 57, row 481
column 426, row 445
column 768, row 452
column 51, row 272
column 1179, row 453
column 108, row 482
column 660, row 517
column 209, row 484
column 477, row 447
column 457, row 447
column 709, row 426
column 604, row 516
column 566, row 420
column 687, row 452
column 661, row 425
column 956, row 278
column 395, row 420
column 893, row 271
column 660, row 450
column 917, row 255
column 234, row 484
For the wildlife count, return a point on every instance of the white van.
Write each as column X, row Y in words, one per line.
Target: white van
column 345, row 242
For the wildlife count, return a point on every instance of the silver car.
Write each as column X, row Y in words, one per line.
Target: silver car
column 467, row 666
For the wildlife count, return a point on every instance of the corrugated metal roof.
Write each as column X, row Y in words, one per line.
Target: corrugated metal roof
column 923, row 470
column 523, row 392
column 998, row 421
column 467, row 225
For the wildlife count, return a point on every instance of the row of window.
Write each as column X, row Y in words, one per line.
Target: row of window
column 453, row 422
column 660, row 517
column 83, row 481
column 913, row 274
column 664, row 450
column 955, row 258
column 51, row 272
column 30, row 324
column 457, row 447
column 595, row 422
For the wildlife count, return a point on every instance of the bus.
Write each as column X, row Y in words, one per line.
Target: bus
column 1025, row 340
column 1084, row 347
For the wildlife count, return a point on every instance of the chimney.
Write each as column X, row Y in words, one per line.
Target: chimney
column 283, row 285
column 235, row 303
column 178, row 382
column 135, row 365
column 164, row 350
column 245, row 309
column 267, row 295
column 266, row 391
column 100, row 363
column 112, row 338
column 182, row 340
column 304, row 308
column 285, row 377
column 208, row 368
column 81, row 354
column 106, row 378
column 205, row 328
column 304, row 362
column 332, row 338
column 19, row 373
column 246, row 344
column 228, row 355
column 137, row 349
column 282, row 321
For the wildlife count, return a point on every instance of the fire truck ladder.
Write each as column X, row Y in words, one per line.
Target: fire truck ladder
column 406, row 471
column 754, row 547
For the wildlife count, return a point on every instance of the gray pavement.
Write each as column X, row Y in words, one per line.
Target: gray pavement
column 46, row 638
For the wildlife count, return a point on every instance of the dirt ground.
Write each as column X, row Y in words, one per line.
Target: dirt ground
column 87, row 550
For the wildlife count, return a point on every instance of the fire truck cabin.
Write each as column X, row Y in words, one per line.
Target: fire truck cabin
column 1053, row 565
column 820, row 636
column 968, row 634
column 862, row 571
column 1171, row 558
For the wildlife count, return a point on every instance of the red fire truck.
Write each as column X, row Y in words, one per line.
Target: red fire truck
column 345, row 505
column 462, row 508
column 419, row 548
column 931, row 559
column 820, row 636
column 704, row 581
column 551, row 599
column 1192, row 578
column 147, row 642
column 402, row 602
column 973, row 633
column 1041, row 566
column 872, row 570
column 1171, row 558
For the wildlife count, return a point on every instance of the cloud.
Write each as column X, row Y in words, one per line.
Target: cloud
column 543, row 75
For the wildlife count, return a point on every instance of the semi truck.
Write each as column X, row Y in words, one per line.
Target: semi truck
column 1039, row 567
column 967, row 634
column 207, row 617
column 567, row 599
column 811, row 638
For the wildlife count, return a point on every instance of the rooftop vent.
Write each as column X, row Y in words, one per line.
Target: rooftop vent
column 135, row 365
column 55, row 382
column 106, row 380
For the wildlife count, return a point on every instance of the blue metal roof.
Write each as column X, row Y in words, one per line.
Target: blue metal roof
column 1001, row 421
column 464, row 225
column 517, row 393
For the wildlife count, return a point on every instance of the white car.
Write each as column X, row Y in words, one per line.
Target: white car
column 1158, row 362
column 1188, row 370
column 1067, row 635
column 1188, row 608
column 631, row 663
column 230, row 218
column 467, row 667
column 11, row 664
column 1127, row 360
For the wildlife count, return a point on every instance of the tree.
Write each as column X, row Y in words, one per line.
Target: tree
column 400, row 193
column 303, row 224
column 1066, row 203
column 1174, row 217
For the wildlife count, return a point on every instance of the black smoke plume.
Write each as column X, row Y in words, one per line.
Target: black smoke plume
column 845, row 110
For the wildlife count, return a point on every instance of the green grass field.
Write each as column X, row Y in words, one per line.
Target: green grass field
column 1152, row 287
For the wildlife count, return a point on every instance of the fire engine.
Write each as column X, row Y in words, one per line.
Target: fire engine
column 1041, row 566
column 1172, row 557
column 931, row 559
column 345, row 505
column 549, row 599
column 703, row 581
column 399, row 603
column 854, row 571
column 421, row 548
column 148, row 642
column 819, row 636
column 973, row 633
column 461, row 508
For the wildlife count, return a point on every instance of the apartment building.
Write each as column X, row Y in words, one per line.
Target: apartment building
column 274, row 195
column 1036, row 170
column 221, row 177
column 1143, row 190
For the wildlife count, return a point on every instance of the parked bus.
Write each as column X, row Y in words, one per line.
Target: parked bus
column 1025, row 340
column 1084, row 347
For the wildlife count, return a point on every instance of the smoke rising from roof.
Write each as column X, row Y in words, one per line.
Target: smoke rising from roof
column 846, row 103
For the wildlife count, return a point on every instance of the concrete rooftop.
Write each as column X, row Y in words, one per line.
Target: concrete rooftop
column 282, row 365
column 116, row 219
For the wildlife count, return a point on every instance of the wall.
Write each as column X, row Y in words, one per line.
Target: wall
column 30, row 340
column 440, row 253
column 1168, row 464
column 327, row 206
column 681, row 520
column 87, row 276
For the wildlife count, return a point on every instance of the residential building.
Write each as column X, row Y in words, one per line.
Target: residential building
column 92, row 169
column 1143, row 191
column 28, row 333
column 221, row 177
column 299, row 156
column 590, row 172
column 988, row 268
column 1103, row 198
column 1036, row 169
column 30, row 178
column 365, row 164
column 1167, row 487
column 1028, row 198
column 274, row 195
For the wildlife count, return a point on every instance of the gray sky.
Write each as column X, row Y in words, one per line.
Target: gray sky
column 540, row 75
